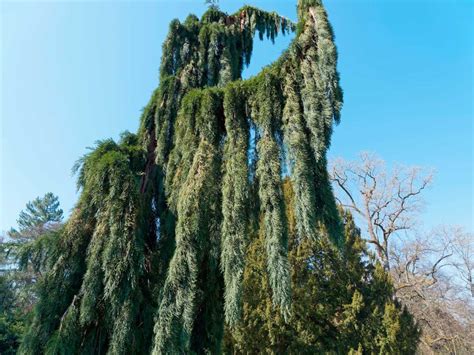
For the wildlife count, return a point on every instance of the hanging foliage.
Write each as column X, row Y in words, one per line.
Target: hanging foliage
column 301, row 160
column 235, row 195
column 268, row 114
column 153, row 256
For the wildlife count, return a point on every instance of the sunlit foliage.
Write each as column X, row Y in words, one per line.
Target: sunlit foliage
column 153, row 256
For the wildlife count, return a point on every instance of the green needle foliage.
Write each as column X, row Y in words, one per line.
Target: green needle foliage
column 235, row 195
column 341, row 302
column 269, row 191
column 152, row 259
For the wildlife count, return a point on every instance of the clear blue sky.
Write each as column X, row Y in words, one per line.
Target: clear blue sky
column 74, row 72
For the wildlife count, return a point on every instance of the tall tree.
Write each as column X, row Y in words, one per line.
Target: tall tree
column 163, row 219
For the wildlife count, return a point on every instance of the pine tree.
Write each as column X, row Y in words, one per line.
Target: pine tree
column 153, row 257
column 41, row 215
column 24, row 255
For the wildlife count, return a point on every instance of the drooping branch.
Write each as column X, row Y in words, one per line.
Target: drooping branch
column 235, row 204
column 301, row 160
column 270, row 192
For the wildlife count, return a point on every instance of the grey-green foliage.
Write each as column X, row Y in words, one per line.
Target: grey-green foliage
column 153, row 255
column 321, row 94
column 96, row 276
column 301, row 160
column 267, row 102
column 196, row 235
column 235, row 194
column 111, row 282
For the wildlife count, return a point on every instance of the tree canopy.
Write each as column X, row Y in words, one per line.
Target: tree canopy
column 40, row 215
column 153, row 257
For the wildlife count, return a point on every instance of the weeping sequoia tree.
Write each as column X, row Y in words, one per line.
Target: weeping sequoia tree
column 153, row 257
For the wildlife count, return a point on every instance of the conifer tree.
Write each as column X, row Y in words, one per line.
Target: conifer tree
column 153, row 257
column 342, row 302
column 40, row 216
column 25, row 254
column 12, row 320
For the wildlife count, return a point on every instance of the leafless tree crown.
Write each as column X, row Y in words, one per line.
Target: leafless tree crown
column 432, row 271
column 387, row 202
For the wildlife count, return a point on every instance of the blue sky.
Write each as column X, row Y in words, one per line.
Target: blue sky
column 75, row 72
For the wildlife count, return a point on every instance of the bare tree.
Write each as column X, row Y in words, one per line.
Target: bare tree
column 416, row 263
column 429, row 275
column 386, row 202
column 462, row 246
column 432, row 272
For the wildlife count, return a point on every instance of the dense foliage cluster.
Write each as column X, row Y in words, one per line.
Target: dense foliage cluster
column 153, row 258
column 26, row 253
column 341, row 302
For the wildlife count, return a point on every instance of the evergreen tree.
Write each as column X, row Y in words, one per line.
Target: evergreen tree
column 24, row 255
column 29, row 250
column 41, row 214
column 11, row 319
column 153, row 257
column 342, row 301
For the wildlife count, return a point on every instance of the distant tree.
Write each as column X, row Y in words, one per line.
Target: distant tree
column 24, row 254
column 27, row 248
column 431, row 274
column 11, row 319
column 214, row 4
column 41, row 215
column 385, row 202
column 462, row 247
